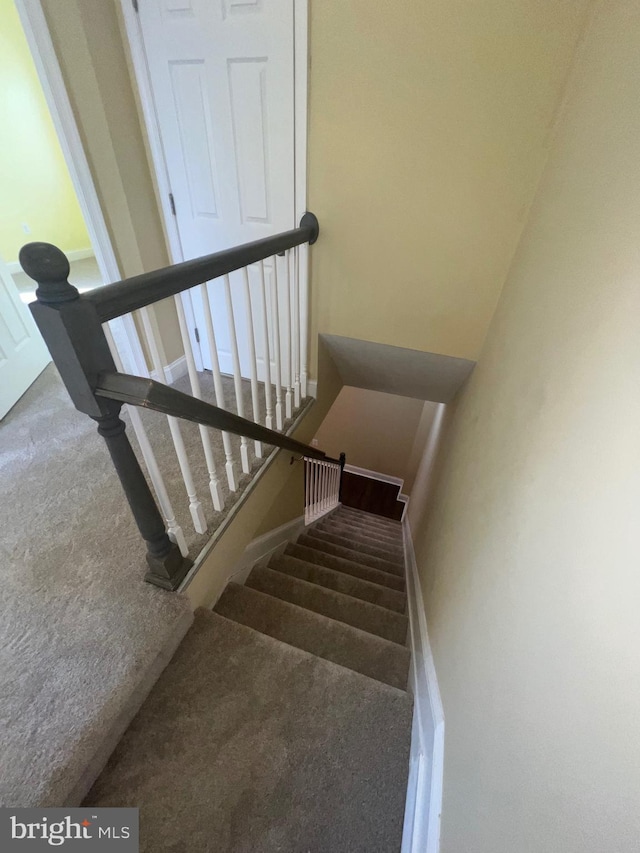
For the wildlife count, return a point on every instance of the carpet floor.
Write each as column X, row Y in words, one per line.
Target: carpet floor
column 281, row 728
column 79, row 627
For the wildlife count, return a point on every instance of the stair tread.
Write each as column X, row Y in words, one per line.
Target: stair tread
column 329, row 602
column 350, row 554
column 267, row 742
column 340, row 564
column 350, row 532
column 335, row 641
column 342, row 582
column 369, row 517
column 392, row 556
column 356, row 529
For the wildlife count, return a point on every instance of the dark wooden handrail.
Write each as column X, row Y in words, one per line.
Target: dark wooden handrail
column 149, row 394
column 121, row 297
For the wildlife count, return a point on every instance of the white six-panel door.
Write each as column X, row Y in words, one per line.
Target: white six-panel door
column 23, row 354
column 222, row 79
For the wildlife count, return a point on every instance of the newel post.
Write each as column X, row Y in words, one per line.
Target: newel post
column 74, row 335
column 343, row 461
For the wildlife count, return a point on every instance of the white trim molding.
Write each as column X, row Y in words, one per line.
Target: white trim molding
column 423, row 810
column 374, row 475
column 173, row 371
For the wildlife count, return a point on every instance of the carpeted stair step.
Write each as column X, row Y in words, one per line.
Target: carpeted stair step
column 338, row 517
column 393, row 555
column 391, row 538
column 346, row 516
column 362, row 530
column 356, row 534
column 357, row 551
column 341, row 582
column 349, row 567
column 369, row 516
column 321, row 544
column 356, row 515
column 249, row 745
column 343, row 644
column 336, row 605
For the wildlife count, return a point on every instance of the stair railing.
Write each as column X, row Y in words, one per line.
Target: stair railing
column 72, row 327
column 322, row 481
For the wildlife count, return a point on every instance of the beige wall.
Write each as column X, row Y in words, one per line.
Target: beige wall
column 375, row 430
column 531, row 563
column 429, row 124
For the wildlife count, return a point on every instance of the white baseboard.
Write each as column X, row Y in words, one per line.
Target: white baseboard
column 259, row 550
column 72, row 255
column 405, row 500
column 421, row 832
column 173, row 371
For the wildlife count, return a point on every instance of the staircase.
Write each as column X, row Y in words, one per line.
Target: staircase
column 283, row 721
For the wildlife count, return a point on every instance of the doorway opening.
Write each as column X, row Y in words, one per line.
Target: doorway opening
column 46, row 194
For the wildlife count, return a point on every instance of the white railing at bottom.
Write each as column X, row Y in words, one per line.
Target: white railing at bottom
column 321, row 488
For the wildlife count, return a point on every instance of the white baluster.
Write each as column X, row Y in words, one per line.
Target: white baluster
column 275, row 322
column 306, row 489
column 214, row 483
column 253, row 363
column 332, row 490
column 173, row 528
column 195, row 507
column 287, row 336
column 311, row 487
column 325, row 485
column 237, row 376
column 266, row 351
column 296, row 328
column 230, row 467
column 304, row 316
column 316, row 491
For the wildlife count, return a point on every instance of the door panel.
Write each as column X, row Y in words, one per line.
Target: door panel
column 222, row 76
column 23, row 354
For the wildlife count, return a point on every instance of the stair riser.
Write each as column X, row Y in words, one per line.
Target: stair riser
column 392, row 556
column 327, row 602
column 340, row 582
column 312, row 541
column 343, row 528
column 358, row 535
column 364, row 653
column 322, row 558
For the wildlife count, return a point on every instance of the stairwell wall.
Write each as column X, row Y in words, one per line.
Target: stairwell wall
column 529, row 561
column 429, row 125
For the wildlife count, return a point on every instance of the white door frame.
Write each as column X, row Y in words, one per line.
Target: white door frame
column 143, row 80
column 39, row 40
